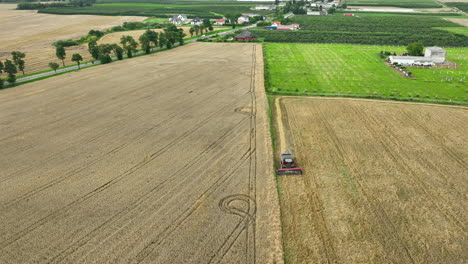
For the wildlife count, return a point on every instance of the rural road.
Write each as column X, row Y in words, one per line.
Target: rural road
column 164, row 158
column 88, row 64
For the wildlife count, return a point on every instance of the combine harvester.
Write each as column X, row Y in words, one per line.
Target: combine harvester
column 288, row 165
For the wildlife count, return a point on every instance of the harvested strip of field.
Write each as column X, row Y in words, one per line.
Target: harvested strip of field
column 382, row 183
column 159, row 159
column 33, row 34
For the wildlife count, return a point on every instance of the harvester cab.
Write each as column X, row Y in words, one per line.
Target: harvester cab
column 288, row 165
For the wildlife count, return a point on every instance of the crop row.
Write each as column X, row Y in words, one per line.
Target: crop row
column 380, row 30
column 154, row 11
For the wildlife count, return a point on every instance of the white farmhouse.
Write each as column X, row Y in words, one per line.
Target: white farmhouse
column 242, row 19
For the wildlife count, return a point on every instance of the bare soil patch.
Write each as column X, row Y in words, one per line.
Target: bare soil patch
column 383, row 182
column 141, row 161
column 461, row 21
column 33, row 34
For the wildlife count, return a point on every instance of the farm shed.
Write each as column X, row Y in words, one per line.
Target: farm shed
column 411, row 60
column 220, row 22
column 242, row 19
column 437, row 54
column 265, row 7
column 245, row 36
column 196, row 21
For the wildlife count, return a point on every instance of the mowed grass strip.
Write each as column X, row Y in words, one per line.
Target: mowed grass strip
column 397, row 3
column 357, row 70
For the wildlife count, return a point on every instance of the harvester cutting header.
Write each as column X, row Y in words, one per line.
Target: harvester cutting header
column 288, row 165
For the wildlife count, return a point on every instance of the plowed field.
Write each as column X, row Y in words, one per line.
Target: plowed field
column 33, row 34
column 159, row 159
column 383, row 182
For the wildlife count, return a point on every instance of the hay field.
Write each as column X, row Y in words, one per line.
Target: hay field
column 383, row 182
column 33, row 33
column 164, row 158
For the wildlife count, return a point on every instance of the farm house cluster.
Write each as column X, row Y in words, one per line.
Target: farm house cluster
column 432, row 56
column 276, row 25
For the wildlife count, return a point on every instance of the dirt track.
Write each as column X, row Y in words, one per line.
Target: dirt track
column 163, row 158
column 384, row 182
column 33, row 34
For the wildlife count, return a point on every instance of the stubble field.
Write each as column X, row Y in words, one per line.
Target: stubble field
column 383, row 182
column 159, row 159
column 33, row 34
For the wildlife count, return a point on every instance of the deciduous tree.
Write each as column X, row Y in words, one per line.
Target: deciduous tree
column 145, row 43
column 77, row 58
column 60, row 53
column 152, row 36
column 1, row 70
column 93, row 49
column 10, row 68
column 129, row 44
column 118, row 51
column 18, row 60
column 54, row 66
column 415, row 49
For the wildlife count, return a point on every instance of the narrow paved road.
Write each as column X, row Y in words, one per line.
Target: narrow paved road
column 88, row 64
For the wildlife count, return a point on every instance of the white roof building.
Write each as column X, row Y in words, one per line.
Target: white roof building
column 411, row 60
column 436, row 54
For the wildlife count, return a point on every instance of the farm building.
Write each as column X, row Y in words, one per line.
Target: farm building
column 317, row 13
column 275, row 23
column 432, row 56
column 437, row 54
column 242, row 19
column 178, row 19
column 288, row 15
column 251, row 15
column 411, row 60
column 288, row 27
column 196, row 21
column 245, row 36
column 265, row 7
column 220, row 22
column 349, row 15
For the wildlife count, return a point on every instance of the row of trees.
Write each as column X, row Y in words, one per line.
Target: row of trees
column 103, row 52
column 72, row 3
column 11, row 67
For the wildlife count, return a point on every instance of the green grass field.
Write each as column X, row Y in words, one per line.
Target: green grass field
column 196, row 9
column 396, row 3
column 357, row 70
column 456, row 30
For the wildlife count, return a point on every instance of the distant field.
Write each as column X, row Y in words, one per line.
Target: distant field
column 375, row 30
column 461, row 6
column 356, row 70
column 457, row 30
column 33, row 34
column 396, row 3
column 208, row 10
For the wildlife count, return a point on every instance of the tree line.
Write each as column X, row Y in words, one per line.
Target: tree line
column 72, row 3
column 102, row 52
column 11, row 67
